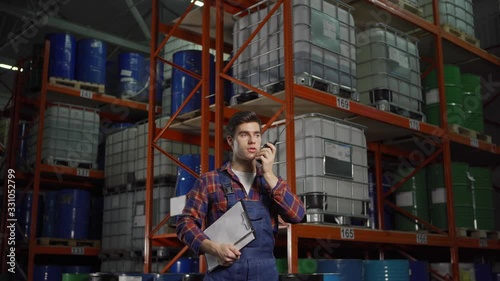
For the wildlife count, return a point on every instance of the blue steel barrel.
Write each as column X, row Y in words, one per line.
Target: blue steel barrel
column 185, row 180
column 47, row 273
column 24, row 207
column 62, row 55
column 183, row 83
column 50, row 214
column 373, row 209
column 91, row 61
column 182, row 265
column 228, row 85
column 131, row 69
column 419, row 271
column 143, row 95
column 387, row 270
column 484, row 272
column 73, row 213
column 349, row 269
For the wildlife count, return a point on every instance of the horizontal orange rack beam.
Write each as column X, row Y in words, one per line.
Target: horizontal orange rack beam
column 77, row 172
column 100, row 98
column 368, row 235
column 62, row 250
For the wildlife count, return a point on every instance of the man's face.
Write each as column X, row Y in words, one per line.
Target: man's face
column 246, row 141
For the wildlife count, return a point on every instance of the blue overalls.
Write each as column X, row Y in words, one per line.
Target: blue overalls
column 257, row 262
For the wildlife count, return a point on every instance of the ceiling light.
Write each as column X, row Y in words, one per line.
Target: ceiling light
column 197, row 3
column 10, row 67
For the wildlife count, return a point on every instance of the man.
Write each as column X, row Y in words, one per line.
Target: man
column 264, row 196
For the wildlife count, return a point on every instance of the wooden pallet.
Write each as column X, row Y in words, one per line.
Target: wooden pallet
column 475, row 233
column 72, row 164
column 410, row 7
column 77, row 85
column 469, row 133
column 188, row 115
column 489, row 234
column 460, row 34
column 68, row 242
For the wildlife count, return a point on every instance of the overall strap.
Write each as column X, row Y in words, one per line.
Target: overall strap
column 225, row 181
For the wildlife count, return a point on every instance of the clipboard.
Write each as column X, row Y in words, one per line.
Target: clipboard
column 233, row 227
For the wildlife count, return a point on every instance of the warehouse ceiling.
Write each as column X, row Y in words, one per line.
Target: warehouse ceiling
column 126, row 23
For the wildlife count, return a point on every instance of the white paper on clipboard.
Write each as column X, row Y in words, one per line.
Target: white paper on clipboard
column 233, row 227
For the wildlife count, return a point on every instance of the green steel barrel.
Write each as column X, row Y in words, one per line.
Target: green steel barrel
column 452, row 82
column 462, row 195
column 471, row 83
column 435, row 174
column 472, row 102
column 482, row 177
column 282, row 265
column 308, row 266
column 453, row 94
column 482, row 194
column 452, row 76
column 455, row 113
column 412, row 197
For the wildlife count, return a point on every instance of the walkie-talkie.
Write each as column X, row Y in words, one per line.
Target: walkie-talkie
column 264, row 146
column 274, row 142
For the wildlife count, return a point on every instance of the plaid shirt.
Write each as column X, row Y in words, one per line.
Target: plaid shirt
column 207, row 201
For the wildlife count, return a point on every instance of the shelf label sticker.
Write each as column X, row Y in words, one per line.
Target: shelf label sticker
column 83, row 172
column 337, row 151
column 343, row 103
column 404, row 199
column 347, row 233
column 415, row 124
column 77, row 250
column 422, row 238
column 483, row 242
column 474, row 142
column 438, row 195
column 86, row 94
column 400, row 57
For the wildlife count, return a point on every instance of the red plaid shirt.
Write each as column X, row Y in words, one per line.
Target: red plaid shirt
column 207, row 201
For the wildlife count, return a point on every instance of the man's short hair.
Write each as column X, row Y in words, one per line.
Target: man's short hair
column 239, row 118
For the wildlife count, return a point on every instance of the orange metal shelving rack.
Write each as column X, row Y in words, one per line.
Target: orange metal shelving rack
column 296, row 94
column 44, row 173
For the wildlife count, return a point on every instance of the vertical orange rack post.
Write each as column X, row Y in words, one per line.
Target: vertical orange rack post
column 38, row 162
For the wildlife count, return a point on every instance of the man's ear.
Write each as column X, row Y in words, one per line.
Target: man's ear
column 229, row 140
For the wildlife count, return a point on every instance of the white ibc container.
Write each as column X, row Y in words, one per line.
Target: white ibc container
column 331, row 166
column 389, row 69
column 70, row 136
column 117, row 221
column 120, row 153
column 323, row 47
column 161, row 207
column 458, row 14
column 163, row 166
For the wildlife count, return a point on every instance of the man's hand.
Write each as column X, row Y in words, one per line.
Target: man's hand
column 227, row 254
column 267, row 155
